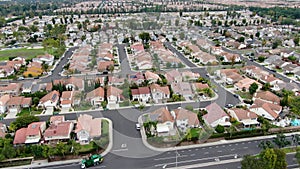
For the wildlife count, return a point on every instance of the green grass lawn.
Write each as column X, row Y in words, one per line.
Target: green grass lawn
column 26, row 111
column 87, row 148
column 244, row 95
column 26, row 53
column 105, row 127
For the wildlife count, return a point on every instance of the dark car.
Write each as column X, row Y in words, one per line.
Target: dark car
column 235, row 95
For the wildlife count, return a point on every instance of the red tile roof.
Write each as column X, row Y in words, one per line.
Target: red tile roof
column 33, row 129
column 61, row 129
column 20, row 136
column 140, row 90
column 163, row 115
column 214, row 113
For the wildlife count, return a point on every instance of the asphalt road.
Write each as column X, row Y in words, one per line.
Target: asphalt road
column 192, row 156
column 125, row 68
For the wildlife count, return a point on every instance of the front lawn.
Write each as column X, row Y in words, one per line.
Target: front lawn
column 26, row 53
column 27, row 111
column 244, row 95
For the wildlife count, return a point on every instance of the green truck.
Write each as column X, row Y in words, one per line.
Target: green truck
column 93, row 160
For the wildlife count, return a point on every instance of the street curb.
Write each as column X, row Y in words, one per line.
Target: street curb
column 221, row 142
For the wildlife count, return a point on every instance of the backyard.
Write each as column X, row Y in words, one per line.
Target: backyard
column 26, row 53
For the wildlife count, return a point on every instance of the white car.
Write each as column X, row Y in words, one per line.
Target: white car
column 137, row 126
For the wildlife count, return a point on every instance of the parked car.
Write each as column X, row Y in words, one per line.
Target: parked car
column 229, row 106
column 137, row 126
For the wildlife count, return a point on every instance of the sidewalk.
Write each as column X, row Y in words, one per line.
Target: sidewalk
column 45, row 163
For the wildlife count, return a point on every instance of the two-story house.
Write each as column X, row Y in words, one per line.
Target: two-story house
column 96, row 97
column 185, row 119
column 50, row 100
column 87, row 128
column 141, row 94
column 216, row 116
column 114, row 97
column 159, row 93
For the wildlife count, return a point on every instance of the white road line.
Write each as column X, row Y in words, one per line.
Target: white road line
column 124, row 149
column 192, row 155
column 236, row 144
column 206, row 153
column 229, row 145
column 217, row 146
column 223, row 145
column 200, row 159
column 203, row 148
column 196, row 149
column 190, row 150
column 232, row 149
column 249, row 141
column 167, row 158
column 220, row 151
column 245, row 147
column 209, row 147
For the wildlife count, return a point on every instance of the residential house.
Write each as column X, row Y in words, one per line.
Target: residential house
column 27, row 86
column 73, row 83
column 267, row 96
column 12, row 89
column 159, row 93
column 34, row 132
column 31, row 134
column 165, row 121
column 114, row 97
column 216, row 116
column 189, row 75
column 137, row 78
column 173, row 76
column 3, row 103
column 47, row 59
column 186, row 119
column 69, row 98
column 199, row 86
column 182, row 88
column 96, row 97
column 60, row 131
column 246, row 117
column 87, row 128
column 49, row 100
column 15, row 104
column 229, row 76
column 151, row 77
column 265, row 109
column 244, row 84
column 105, row 65
column 230, row 57
column 141, row 94
column 115, row 81
column 20, row 136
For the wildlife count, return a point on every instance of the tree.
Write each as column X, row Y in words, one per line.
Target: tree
column 281, row 159
column 145, row 36
column 241, row 39
column 257, row 34
column 8, row 151
column 296, row 40
column 266, row 86
column 253, row 87
column 220, row 129
column 268, row 158
column 265, row 144
column 111, row 68
column 250, row 162
column 23, row 121
column 281, row 141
